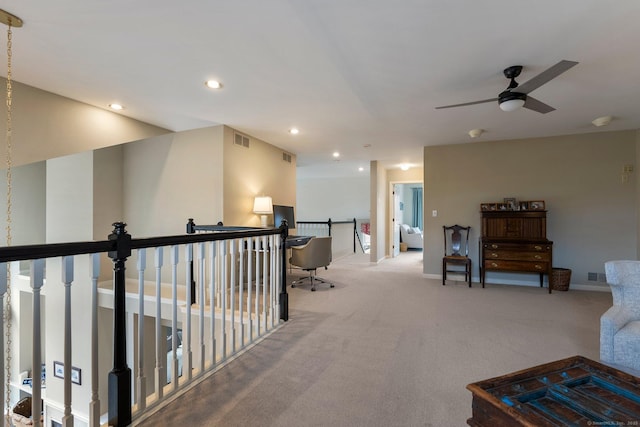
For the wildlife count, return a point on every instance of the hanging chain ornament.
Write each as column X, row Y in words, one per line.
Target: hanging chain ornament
column 7, row 310
column 10, row 20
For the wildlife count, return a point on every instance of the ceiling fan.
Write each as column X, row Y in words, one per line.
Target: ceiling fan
column 510, row 99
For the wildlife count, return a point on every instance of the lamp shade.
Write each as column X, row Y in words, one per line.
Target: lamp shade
column 263, row 205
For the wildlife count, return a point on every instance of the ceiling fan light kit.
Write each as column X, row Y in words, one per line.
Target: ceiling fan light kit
column 510, row 100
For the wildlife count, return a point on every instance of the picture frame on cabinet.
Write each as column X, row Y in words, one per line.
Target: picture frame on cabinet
column 536, row 205
column 511, row 203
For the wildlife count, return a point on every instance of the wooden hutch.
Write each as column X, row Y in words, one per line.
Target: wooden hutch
column 514, row 239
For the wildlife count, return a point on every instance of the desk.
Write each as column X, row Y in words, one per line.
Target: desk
column 297, row 241
column 570, row 392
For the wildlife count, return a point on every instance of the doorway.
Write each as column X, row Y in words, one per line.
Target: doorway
column 406, row 208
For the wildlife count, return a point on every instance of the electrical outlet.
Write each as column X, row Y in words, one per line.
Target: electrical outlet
column 434, row 213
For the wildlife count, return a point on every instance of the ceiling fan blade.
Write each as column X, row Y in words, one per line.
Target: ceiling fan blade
column 467, row 103
column 549, row 74
column 533, row 104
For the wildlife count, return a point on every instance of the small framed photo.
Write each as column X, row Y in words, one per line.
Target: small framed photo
column 536, row 205
column 76, row 373
column 511, row 203
column 76, row 376
column 58, row 370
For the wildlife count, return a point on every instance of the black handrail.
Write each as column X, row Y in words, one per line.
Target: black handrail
column 119, row 246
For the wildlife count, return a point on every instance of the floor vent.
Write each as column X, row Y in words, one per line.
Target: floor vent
column 241, row 140
column 286, row 157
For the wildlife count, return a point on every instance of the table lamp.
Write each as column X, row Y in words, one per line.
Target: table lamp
column 263, row 206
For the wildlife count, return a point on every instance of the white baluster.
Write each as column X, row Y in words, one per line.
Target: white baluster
column 258, row 249
column 174, row 315
column 201, row 303
column 212, row 302
column 142, row 382
column 265, row 278
column 223, row 285
column 161, row 351
column 233, row 295
column 94, row 406
column 241, row 291
column 186, row 334
column 37, row 280
column 250, row 255
column 67, row 279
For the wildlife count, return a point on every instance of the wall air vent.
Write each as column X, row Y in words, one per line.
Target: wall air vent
column 286, row 157
column 241, row 140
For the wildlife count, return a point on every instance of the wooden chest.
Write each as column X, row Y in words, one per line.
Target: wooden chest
column 570, row 392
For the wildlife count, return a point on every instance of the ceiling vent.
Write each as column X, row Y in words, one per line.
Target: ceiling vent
column 286, row 157
column 241, row 140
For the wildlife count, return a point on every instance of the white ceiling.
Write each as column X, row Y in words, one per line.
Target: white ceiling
column 346, row 72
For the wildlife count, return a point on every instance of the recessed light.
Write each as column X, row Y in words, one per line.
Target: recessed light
column 213, row 84
column 404, row 167
column 336, row 154
column 360, row 169
column 116, row 107
column 294, row 131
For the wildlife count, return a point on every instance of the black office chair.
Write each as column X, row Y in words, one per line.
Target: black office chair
column 313, row 255
column 456, row 251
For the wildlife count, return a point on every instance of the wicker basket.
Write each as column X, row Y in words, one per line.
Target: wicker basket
column 560, row 279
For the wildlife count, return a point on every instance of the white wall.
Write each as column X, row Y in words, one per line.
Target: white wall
column 340, row 199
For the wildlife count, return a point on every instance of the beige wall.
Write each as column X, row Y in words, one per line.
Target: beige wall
column 592, row 214
column 255, row 171
column 171, row 178
column 46, row 126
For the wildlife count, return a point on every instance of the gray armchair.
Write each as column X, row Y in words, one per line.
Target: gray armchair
column 620, row 325
column 315, row 254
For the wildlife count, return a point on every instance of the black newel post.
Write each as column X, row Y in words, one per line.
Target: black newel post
column 120, row 375
column 191, row 228
column 355, row 234
column 284, row 297
column 329, row 224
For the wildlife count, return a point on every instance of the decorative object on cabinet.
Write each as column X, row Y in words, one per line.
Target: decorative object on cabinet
column 515, row 241
column 456, row 251
column 511, row 204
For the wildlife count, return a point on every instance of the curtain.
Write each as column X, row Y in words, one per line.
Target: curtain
column 417, row 207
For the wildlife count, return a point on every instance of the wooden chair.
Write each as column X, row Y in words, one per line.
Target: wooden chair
column 456, row 251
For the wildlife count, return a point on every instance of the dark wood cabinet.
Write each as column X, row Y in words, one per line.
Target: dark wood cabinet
column 515, row 241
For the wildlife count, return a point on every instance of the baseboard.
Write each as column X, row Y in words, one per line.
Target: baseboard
column 536, row 284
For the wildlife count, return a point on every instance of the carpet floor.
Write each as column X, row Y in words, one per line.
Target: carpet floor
column 387, row 347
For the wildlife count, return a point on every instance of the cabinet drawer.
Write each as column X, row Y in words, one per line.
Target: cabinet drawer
column 530, row 247
column 508, row 265
column 517, row 255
